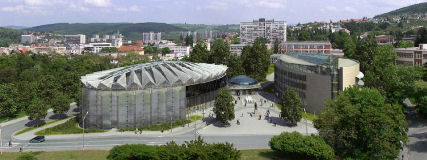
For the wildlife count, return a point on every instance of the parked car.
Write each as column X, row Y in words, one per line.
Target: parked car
column 37, row 139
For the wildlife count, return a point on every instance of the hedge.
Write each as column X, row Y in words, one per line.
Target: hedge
column 298, row 146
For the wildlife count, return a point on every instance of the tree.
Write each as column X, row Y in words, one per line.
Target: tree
column 298, row 146
column 276, row 46
column 165, row 51
column 220, row 52
column 291, row 106
column 235, row 39
column 189, row 40
column 256, row 60
column 361, row 125
column 235, row 67
column 8, row 102
column 109, row 49
column 37, row 110
column 200, row 53
column 60, row 104
column 421, row 36
column 304, row 36
column 149, row 50
column 404, row 44
column 224, row 106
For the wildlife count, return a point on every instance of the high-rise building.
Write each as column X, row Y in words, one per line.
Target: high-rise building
column 27, row 38
column 75, row 39
column 189, row 33
column 151, row 37
column 270, row 29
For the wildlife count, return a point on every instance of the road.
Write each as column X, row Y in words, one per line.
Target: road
column 417, row 147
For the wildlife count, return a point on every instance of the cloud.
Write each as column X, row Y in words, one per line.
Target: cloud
column 226, row 4
column 98, row 3
column 331, row 8
column 350, row 9
column 270, row 4
column 79, row 7
column 133, row 8
column 18, row 8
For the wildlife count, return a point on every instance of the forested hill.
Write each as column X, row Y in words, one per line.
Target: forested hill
column 132, row 31
column 9, row 36
column 419, row 8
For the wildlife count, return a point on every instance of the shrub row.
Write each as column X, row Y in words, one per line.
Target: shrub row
column 298, row 146
column 190, row 150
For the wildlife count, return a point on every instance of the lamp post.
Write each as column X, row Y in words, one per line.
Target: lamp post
column 306, row 129
column 84, row 130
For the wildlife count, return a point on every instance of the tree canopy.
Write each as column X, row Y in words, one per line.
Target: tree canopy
column 224, row 106
column 291, row 106
column 360, row 124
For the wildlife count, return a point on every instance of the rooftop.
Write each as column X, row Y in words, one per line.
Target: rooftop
column 243, row 80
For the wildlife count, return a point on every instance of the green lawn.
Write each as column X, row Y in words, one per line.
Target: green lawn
column 270, row 69
column 12, row 117
column 35, row 127
column 166, row 126
column 261, row 154
column 69, row 127
column 310, row 116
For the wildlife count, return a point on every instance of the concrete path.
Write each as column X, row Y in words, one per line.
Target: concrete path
column 31, row 134
column 416, row 149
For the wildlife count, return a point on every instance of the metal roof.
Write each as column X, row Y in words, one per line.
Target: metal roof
column 154, row 75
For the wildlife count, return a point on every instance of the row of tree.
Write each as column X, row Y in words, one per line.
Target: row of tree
column 253, row 62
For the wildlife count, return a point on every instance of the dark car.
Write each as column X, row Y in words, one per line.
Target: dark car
column 37, row 139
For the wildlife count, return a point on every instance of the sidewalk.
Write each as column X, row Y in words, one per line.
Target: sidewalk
column 113, row 132
column 18, row 120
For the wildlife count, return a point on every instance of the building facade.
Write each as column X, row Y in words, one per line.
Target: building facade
column 315, row 77
column 75, row 39
column 414, row 56
column 151, row 37
column 270, row 29
column 27, row 39
column 147, row 94
column 322, row 47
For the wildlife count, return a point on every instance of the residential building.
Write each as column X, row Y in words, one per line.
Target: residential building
column 237, row 48
column 320, row 47
column 316, row 77
column 75, row 39
column 28, row 38
column 179, row 51
column 270, row 29
column 189, row 33
column 413, row 56
column 151, row 37
column 385, row 39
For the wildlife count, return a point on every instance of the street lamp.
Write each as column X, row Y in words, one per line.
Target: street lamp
column 84, row 130
column 306, row 129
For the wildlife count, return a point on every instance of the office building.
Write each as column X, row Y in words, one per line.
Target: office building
column 75, row 39
column 151, row 37
column 318, row 47
column 96, row 47
column 413, row 56
column 270, row 29
column 150, row 93
column 27, row 39
column 316, row 77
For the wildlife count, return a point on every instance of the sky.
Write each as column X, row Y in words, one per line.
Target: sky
column 38, row 12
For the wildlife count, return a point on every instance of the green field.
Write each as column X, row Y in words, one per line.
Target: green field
column 166, row 126
column 262, row 154
column 69, row 127
column 310, row 116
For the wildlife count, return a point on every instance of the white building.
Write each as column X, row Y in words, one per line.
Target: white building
column 262, row 28
column 27, row 38
column 97, row 47
column 179, row 51
column 151, row 37
column 237, row 48
column 75, row 39
column 413, row 56
column 189, row 33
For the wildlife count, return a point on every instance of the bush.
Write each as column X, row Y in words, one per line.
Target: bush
column 301, row 147
column 191, row 150
column 132, row 151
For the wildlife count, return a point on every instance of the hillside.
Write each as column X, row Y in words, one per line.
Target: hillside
column 132, row 31
column 419, row 8
column 9, row 36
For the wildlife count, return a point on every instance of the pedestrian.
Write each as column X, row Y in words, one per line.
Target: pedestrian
column 242, row 115
column 271, row 105
column 21, row 149
column 271, row 120
column 140, row 131
column 245, row 104
column 162, row 130
column 265, row 101
column 259, row 117
column 136, row 131
column 10, row 143
column 250, row 114
column 274, row 124
column 238, row 123
column 403, row 157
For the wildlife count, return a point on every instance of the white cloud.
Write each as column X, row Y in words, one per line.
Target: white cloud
column 18, row 8
column 79, row 7
column 271, row 4
column 226, row 4
column 98, row 3
column 331, row 8
column 350, row 9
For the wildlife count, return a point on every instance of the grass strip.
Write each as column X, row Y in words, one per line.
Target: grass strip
column 35, row 127
column 166, row 126
column 69, row 127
